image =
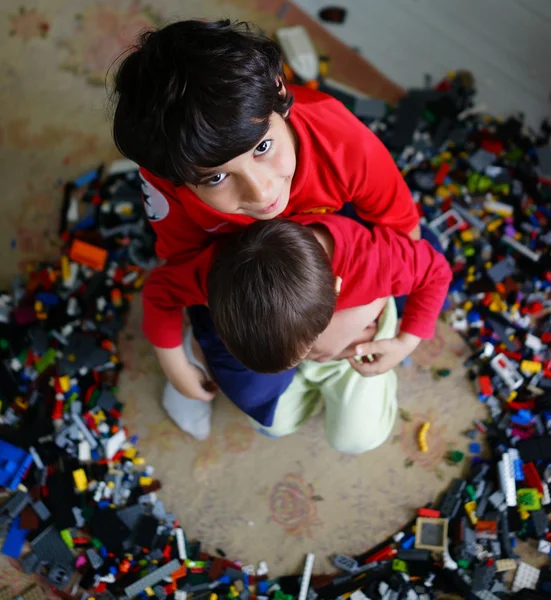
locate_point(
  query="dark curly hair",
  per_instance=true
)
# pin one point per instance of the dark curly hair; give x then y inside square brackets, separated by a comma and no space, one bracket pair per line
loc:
[196,94]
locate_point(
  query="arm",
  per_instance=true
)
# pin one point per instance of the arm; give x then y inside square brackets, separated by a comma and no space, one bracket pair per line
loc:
[181,281]
[185,377]
[416,269]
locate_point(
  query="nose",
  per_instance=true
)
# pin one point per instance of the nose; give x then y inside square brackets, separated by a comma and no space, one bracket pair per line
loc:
[258,186]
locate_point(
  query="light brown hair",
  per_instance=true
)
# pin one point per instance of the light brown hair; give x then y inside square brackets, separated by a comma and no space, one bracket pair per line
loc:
[271,293]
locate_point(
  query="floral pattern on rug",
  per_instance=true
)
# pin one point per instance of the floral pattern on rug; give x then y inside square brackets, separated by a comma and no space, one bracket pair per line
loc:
[104,31]
[27,24]
[293,505]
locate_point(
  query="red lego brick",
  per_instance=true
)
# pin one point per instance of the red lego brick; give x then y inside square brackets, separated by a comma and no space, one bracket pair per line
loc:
[428,512]
[485,385]
[532,477]
[442,173]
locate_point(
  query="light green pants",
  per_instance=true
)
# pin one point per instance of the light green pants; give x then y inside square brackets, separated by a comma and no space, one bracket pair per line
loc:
[359,411]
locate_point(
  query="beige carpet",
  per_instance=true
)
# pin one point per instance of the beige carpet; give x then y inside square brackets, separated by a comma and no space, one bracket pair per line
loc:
[253,497]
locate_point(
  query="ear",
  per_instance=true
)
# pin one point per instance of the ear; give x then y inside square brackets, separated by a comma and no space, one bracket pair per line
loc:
[282,92]
[338,285]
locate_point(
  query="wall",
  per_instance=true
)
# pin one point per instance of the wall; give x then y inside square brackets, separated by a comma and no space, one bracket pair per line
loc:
[505,43]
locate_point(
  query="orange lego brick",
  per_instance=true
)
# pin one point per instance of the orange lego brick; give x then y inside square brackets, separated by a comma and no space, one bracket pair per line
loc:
[88,255]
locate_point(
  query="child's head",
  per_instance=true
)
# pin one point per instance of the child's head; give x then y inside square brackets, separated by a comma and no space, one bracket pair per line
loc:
[204,104]
[271,293]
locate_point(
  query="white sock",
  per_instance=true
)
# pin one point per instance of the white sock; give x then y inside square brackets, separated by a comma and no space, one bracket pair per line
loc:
[191,415]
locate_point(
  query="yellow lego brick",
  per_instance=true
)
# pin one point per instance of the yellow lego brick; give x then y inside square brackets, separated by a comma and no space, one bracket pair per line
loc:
[80,479]
[494,225]
[467,235]
[149,591]
[531,366]
[139,461]
[65,383]
[422,438]
[65,268]
[467,306]
[442,191]
[470,509]
[146,480]
[512,396]
[130,453]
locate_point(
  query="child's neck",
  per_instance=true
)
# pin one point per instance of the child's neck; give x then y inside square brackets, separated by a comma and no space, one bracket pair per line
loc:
[324,238]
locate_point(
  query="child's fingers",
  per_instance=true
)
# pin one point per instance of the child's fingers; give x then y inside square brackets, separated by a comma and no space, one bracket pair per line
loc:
[378,347]
[367,369]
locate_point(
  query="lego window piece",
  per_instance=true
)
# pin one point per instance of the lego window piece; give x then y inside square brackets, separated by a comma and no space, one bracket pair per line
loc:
[431,534]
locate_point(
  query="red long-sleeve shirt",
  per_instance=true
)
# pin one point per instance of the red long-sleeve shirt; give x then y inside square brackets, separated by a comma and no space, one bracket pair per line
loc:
[379,262]
[339,160]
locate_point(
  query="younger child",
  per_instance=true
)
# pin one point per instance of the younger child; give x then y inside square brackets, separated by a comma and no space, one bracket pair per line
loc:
[272,293]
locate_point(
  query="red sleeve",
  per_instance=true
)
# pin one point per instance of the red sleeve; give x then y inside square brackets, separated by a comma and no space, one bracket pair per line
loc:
[379,262]
[181,281]
[378,190]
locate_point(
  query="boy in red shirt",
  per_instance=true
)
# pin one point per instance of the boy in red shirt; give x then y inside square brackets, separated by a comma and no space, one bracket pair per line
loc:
[222,141]
[272,294]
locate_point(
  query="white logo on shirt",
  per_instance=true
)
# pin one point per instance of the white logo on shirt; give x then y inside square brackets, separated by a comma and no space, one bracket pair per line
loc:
[155,204]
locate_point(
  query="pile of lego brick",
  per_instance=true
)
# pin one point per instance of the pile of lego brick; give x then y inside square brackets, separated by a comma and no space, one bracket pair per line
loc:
[483,186]
[79,505]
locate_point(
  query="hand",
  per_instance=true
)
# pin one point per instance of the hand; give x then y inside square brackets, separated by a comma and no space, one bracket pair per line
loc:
[185,377]
[386,354]
[194,384]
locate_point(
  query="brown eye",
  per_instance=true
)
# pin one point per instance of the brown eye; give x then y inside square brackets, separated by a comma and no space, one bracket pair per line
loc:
[263,147]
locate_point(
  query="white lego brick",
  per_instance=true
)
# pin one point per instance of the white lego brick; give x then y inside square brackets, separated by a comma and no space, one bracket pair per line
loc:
[526,577]
[507,371]
[544,547]
[299,51]
[114,443]
[546,497]
[507,480]
[533,342]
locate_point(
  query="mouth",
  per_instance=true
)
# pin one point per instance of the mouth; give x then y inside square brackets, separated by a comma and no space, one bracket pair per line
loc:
[271,207]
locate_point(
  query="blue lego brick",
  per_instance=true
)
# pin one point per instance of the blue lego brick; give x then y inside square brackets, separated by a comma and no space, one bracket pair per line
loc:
[523,417]
[14,463]
[473,316]
[86,178]
[519,473]
[48,298]
[474,448]
[85,223]
[13,545]
[262,587]
[407,542]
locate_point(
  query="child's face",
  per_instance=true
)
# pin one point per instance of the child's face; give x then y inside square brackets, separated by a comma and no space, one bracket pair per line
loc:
[257,183]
